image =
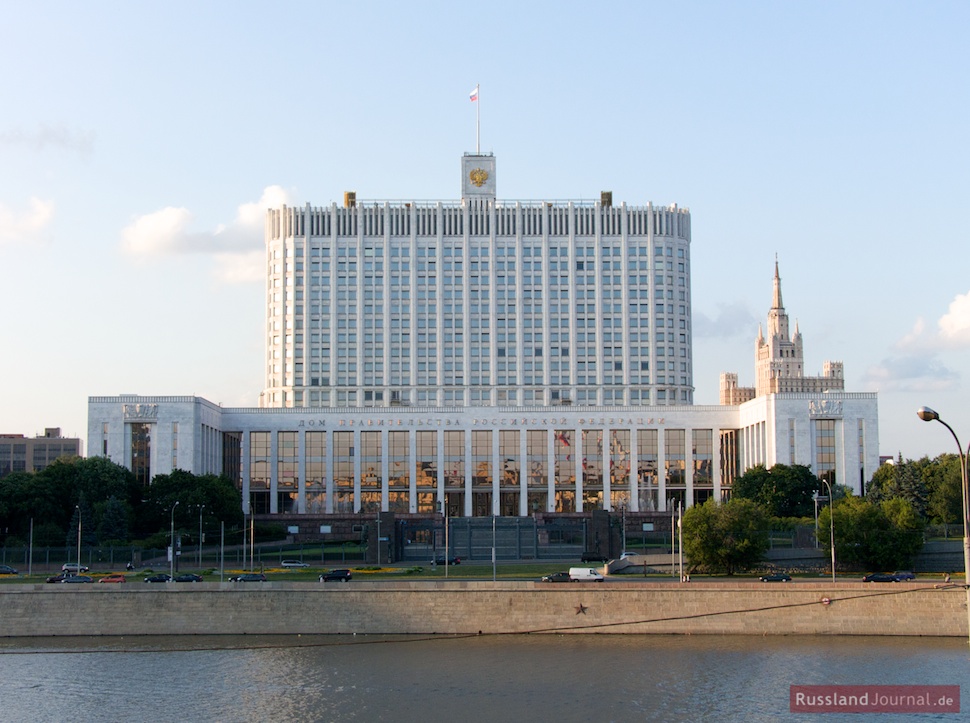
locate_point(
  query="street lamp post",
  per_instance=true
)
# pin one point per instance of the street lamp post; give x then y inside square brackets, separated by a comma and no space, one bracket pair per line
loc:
[928,415]
[622,526]
[200,536]
[831,523]
[78,508]
[815,499]
[172,548]
[444,514]
[680,537]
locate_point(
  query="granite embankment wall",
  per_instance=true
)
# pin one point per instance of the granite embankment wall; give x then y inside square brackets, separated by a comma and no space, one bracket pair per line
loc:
[486,607]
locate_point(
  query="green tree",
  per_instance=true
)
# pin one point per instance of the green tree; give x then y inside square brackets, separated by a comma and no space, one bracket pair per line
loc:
[114,521]
[944,480]
[220,497]
[49,498]
[88,530]
[783,491]
[99,479]
[906,479]
[68,481]
[882,536]
[725,537]
[25,496]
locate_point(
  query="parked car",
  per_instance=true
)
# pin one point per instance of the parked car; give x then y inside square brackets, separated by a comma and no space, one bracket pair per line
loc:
[73,568]
[556,577]
[249,577]
[188,577]
[451,561]
[78,578]
[7,570]
[901,575]
[628,555]
[113,578]
[340,575]
[879,577]
[593,556]
[294,563]
[160,577]
[775,577]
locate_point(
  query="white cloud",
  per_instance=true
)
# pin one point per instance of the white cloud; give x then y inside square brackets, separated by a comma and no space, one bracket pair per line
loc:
[916,338]
[952,330]
[919,368]
[240,268]
[254,213]
[912,373]
[46,136]
[236,247]
[733,320]
[162,232]
[955,324]
[25,226]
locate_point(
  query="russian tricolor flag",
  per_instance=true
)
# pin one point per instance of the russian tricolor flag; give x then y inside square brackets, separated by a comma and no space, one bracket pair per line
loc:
[473,96]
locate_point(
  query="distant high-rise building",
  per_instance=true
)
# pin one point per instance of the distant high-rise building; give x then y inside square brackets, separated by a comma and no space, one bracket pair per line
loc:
[32,454]
[478,302]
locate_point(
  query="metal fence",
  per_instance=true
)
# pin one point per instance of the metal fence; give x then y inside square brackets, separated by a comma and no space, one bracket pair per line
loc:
[264,555]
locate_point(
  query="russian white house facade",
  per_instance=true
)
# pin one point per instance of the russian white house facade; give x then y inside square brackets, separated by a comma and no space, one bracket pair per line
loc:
[500,357]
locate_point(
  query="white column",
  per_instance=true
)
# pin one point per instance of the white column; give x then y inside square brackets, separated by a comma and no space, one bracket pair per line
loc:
[273,470]
[385,464]
[634,469]
[606,456]
[357,451]
[412,471]
[244,470]
[661,471]
[301,468]
[578,467]
[524,472]
[498,467]
[688,467]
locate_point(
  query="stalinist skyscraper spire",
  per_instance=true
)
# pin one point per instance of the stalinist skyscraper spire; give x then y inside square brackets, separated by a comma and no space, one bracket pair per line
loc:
[779,356]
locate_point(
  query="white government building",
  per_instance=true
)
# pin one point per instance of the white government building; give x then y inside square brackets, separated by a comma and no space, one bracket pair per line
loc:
[505,357]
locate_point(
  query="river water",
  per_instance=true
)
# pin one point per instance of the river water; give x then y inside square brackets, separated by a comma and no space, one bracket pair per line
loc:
[500,679]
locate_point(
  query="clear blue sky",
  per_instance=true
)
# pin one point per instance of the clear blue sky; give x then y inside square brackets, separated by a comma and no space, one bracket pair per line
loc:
[141,142]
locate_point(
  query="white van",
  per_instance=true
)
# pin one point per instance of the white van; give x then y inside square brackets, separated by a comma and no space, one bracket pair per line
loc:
[585,573]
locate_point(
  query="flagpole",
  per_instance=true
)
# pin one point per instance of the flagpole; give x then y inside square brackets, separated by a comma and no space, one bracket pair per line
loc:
[478,120]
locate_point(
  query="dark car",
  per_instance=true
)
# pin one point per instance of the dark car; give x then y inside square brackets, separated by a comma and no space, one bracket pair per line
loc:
[7,570]
[188,577]
[879,577]
[556,577]
[775,577]
[161,577]
[249,577]
[58,578]
[591,556]
[451,561]
[342,575]
[78,578]
[901,575]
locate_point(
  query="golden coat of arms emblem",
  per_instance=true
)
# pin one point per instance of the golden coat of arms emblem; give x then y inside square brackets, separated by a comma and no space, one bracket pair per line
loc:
[478,177]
